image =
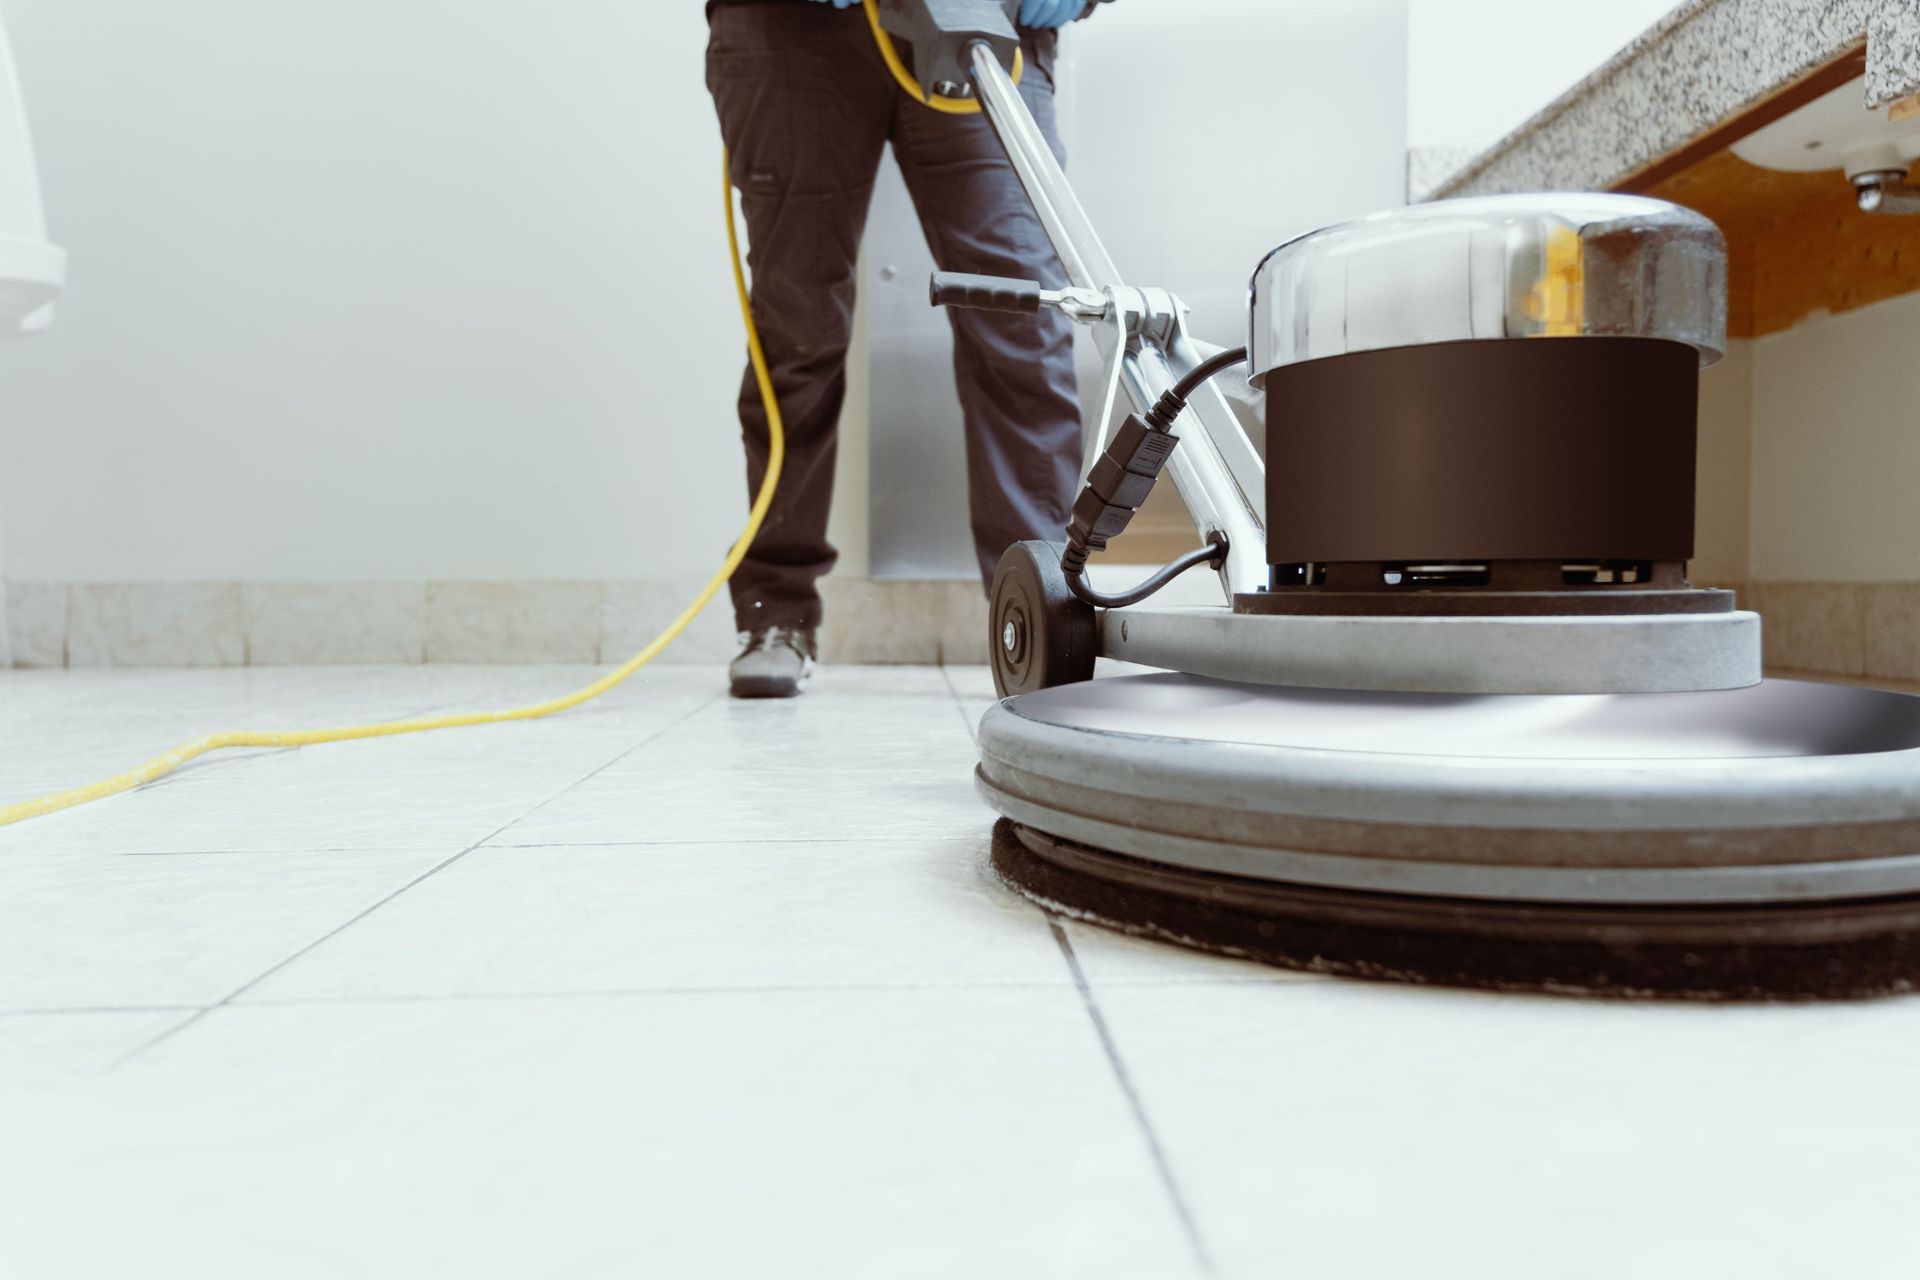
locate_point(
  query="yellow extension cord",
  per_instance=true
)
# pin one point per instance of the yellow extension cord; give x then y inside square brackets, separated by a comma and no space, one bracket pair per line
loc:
[904,78]
[166,763]
[162,765]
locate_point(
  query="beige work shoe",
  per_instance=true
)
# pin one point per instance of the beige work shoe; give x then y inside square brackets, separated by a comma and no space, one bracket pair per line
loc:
[774,664]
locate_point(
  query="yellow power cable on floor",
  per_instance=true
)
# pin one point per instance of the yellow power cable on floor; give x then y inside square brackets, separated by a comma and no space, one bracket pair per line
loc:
[162,765]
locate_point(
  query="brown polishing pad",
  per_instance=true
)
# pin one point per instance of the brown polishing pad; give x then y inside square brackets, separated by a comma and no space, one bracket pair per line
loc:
[1782,951]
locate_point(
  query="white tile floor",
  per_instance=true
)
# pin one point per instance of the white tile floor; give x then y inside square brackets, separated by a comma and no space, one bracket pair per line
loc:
[676,986]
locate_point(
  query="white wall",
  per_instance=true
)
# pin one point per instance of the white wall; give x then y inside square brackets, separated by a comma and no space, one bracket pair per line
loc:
[366,289]
[1197,146]
[20,212]
[1479,68]
[1836,448]
[1724,480]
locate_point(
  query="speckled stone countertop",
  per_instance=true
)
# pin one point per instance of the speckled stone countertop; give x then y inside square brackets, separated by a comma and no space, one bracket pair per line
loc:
[1701,65]
[1893,50]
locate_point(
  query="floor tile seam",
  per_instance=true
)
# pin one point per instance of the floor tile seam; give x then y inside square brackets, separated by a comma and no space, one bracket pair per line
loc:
[341,928]
[853,842]
[960,705]
[269,853]
[1123,1078]
[82,1010]
[593,993]
[655,735]
[955,984]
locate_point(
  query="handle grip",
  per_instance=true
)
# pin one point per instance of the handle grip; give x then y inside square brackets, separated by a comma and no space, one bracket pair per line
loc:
[986,293]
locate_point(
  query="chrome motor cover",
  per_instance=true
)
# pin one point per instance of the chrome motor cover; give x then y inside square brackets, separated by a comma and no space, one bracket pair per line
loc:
[1495,267]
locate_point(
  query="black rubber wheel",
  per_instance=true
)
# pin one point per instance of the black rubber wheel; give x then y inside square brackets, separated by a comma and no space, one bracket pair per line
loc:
[1039,633]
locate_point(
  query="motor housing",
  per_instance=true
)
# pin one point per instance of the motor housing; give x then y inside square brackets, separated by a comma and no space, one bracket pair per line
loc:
[1487,406]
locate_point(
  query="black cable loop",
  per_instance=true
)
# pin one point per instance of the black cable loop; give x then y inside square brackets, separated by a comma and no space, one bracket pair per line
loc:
[1212,553]
[1168,407]
[1160,418]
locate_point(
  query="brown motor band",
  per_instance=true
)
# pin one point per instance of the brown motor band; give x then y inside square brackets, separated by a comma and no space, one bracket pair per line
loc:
[1445,468]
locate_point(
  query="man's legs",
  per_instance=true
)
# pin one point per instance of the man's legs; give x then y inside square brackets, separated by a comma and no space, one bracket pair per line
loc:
[804,124]
[1015,372]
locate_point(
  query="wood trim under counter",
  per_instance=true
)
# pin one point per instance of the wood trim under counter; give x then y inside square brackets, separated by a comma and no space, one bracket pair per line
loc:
[1797,243]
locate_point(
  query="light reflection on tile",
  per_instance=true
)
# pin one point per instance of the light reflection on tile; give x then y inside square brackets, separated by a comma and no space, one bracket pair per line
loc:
[139,931]
[39,1051]
[1501,1128]
[926,1133]
[712,915]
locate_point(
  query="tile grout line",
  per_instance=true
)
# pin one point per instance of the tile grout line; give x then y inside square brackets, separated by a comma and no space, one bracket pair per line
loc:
[240,851]
[595,993]
[438,867]
[728,840]
[1180,1208]
[959,704]
[624,993]
[57,1011]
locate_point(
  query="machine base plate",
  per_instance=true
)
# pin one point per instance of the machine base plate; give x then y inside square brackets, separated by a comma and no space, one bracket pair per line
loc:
[1774,951]
[1611,602]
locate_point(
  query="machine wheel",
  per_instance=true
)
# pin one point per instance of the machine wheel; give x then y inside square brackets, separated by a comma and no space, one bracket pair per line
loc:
[1040,633]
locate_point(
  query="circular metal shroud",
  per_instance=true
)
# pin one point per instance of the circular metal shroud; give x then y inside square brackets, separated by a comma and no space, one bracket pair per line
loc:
[1782,792]
[1421,653]
[1496,267]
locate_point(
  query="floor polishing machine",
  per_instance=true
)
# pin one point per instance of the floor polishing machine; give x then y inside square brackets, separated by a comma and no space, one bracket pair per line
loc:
[1460,717]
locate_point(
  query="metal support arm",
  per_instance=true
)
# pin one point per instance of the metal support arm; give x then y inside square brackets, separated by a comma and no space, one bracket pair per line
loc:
[1142,336]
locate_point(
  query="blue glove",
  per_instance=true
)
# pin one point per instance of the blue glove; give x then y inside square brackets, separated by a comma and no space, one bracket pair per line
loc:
[841,4]
[1049,13]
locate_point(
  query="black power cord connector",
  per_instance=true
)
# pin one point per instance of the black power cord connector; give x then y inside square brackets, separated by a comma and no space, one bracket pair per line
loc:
[1117,485]
[1120,482]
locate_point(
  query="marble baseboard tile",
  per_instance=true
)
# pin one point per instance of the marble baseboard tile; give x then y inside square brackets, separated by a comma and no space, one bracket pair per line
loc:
[234,624]
[300,623]
[37,624]
[1867,630]
[633,613]
[157,624]
[963,638]
[1893,630]
[514,621]
[1813,626]
[883,621]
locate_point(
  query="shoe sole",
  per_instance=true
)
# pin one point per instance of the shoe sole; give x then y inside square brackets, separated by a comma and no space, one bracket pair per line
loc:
[771,686]
[764,687]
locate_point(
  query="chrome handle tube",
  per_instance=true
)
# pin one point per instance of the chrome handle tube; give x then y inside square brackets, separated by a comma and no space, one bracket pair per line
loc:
[1074,239]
